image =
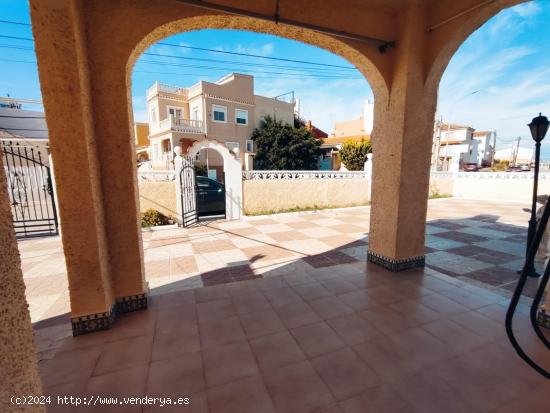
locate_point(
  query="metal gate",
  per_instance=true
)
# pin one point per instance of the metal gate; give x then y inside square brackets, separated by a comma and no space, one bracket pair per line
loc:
[188,193]
[30,190]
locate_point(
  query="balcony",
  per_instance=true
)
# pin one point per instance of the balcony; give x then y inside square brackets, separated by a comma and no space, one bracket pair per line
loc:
[160,87]
[180,125]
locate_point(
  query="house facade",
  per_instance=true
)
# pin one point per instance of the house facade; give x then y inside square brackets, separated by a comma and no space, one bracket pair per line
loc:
[454,146]
[486,146]
[227,111]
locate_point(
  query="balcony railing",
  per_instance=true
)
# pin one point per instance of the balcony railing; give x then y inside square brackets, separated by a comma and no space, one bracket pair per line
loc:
[181,125]
[160,87]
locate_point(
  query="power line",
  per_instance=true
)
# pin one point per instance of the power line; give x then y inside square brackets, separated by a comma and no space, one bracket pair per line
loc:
[14,22]
[16,38]
[254,55]
[285,75]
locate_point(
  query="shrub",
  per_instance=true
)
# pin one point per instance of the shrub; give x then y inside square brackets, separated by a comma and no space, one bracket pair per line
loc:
[200,169]
[354,154]
[152,217]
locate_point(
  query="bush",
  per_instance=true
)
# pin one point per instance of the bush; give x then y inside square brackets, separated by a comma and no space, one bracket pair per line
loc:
[152,217]
[200,169]
[354,154]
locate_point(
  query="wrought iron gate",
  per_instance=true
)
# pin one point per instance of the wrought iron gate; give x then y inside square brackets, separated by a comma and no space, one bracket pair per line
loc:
[188,192]
[30,190]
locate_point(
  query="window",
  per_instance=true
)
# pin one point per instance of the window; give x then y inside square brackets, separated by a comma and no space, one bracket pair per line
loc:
[195,113]
[232,145]
[154,115]
[175,113]
[219,113]
[249,145]
[241,117]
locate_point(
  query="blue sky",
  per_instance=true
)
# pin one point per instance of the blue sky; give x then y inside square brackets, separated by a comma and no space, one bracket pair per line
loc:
[508,69]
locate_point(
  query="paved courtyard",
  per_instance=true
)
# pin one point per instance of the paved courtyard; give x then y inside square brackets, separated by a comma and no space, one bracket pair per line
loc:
[478,241]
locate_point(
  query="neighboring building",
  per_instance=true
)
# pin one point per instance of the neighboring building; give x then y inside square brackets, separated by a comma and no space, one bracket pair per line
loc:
[330,158]
[315,131]
[486,146]
[226,111]
[515,155]
[26,128]
[356,127]
[454,146]
[141,134]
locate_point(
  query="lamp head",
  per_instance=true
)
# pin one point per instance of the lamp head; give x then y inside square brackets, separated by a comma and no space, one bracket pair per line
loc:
[539,127]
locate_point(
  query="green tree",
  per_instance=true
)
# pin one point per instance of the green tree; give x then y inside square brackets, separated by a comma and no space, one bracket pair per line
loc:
[282,147]
[354,154]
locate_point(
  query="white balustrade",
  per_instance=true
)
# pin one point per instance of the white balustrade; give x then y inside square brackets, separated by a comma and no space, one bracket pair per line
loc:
[294,175]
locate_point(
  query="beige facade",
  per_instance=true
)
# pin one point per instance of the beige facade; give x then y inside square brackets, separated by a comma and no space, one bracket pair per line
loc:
[226,111]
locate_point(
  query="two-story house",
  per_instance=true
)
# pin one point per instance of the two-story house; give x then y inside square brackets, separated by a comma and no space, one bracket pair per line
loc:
[454,146]
[226,111]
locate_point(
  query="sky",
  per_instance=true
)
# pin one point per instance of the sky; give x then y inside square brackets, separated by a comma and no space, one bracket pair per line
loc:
[498,79]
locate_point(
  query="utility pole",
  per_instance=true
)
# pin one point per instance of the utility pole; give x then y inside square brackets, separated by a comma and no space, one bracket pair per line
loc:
[515,153]
[437,143]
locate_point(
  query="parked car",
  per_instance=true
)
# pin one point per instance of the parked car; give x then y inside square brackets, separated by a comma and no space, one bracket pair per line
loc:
[471,167]
[525,168]
[514,168]
[210,196]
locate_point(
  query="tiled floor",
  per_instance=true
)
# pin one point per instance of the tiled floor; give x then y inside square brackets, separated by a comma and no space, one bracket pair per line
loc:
[482,242]
[345,338]
[305,324]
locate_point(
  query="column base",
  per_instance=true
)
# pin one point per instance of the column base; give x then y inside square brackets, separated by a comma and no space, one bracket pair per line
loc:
[543,319]
[104,321]
[396,265]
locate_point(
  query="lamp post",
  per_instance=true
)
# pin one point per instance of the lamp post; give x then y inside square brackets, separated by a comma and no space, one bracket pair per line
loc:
[538,127]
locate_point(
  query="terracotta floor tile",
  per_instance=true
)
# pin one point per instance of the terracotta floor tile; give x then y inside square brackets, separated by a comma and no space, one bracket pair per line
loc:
[123,354]
[276,350]
[282,297]
[359,300]
[317,339]
[297,389]
[312,291]
[215,310]
[248,303]
[415,312]
[337,286]
[60,369]
[130,382]
[297,314]
[330,307]
[211,293]
[377,399]
[344,373]
[175,377]
[427,393]
[354,329]
[224,364]
[458,338]
[442,304]
[247,395]
[261,323]
[167,344]
[220,332]
[242,288]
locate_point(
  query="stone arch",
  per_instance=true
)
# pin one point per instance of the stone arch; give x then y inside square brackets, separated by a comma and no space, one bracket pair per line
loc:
[233,175]
[457,34]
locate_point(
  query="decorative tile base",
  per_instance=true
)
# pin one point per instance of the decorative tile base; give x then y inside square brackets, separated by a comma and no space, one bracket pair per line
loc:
[543,318]
[104,321]
[396,265]
[93,322]
[131,303]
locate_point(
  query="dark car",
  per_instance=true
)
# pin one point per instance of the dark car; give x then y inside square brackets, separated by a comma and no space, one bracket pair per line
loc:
[471,167]
[210,196]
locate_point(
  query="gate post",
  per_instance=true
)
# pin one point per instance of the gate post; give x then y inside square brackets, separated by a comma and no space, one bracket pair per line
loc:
[178,164]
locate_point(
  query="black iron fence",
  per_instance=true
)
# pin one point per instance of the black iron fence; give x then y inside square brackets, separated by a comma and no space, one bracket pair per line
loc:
[30,190]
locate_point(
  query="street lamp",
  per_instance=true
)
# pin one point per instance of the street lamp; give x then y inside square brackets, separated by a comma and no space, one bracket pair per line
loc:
[538,127]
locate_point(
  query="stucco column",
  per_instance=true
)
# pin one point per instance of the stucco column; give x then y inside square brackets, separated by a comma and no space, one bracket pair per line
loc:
[97,200]
[402,142]
[18,362]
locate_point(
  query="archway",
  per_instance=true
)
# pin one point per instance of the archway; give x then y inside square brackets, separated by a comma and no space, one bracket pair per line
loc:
[233,175]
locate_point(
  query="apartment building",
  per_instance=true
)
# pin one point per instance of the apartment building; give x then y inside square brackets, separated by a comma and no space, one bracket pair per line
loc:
[453,147]
[226,111]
